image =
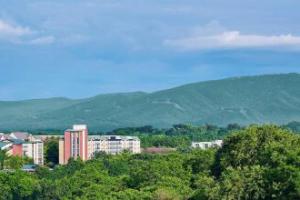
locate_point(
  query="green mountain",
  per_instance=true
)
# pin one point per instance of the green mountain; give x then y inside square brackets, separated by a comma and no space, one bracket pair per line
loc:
[243,100]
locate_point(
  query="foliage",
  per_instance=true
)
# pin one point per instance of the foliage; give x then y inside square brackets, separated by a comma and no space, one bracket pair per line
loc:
[3,157]
[51,151]
[179,136]
[259,162]
[14,162]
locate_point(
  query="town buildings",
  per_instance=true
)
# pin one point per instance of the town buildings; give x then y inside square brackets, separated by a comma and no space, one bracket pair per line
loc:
[206,145]
[23,144]
[76,143]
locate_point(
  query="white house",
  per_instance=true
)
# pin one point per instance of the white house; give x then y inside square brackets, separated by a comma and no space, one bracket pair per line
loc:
[206,145]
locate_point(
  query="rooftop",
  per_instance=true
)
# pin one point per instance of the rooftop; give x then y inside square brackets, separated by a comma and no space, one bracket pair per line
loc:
[77,127]
[19,135]
[29,168]
[112,137]
[3,144]
[17,141]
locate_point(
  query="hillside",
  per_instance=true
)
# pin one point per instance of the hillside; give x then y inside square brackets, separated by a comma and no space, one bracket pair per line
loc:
[244,100]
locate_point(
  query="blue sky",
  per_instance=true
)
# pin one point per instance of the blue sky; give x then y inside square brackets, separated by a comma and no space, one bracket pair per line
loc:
[77,49]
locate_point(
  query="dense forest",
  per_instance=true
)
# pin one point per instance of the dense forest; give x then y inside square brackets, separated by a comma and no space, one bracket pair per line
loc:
[257,162]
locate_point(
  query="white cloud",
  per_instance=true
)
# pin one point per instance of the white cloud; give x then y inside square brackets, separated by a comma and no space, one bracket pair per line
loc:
[10,30]
[233,39]
[19,35]
[42,40]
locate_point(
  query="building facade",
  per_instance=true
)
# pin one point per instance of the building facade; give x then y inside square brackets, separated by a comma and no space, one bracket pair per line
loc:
[112,144]
[77,144]
[34,150]
[74,144]
[23,144]
[206,145]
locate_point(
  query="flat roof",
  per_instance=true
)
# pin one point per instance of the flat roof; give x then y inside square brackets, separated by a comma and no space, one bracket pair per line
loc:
[113,137]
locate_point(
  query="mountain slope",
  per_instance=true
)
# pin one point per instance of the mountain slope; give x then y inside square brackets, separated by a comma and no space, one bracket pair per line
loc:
[244,100]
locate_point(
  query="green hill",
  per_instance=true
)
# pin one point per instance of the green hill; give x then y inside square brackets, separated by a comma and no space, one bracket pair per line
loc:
[243,100]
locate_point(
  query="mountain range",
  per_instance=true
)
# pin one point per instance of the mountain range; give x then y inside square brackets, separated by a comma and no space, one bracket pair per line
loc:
[242,100]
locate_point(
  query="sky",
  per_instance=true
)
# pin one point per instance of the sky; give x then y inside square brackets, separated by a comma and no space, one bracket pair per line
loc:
[82,48]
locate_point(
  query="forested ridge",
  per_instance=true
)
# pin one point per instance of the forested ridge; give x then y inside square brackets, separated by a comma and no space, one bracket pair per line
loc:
[242,100]
[258,162]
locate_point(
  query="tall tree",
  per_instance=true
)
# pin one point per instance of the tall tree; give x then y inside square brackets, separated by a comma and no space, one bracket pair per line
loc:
[3,157]
[51,151]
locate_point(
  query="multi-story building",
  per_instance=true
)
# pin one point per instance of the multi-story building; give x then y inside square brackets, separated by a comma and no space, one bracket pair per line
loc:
[112,144]
[77,144]
[206,145]
[34,150]
[74,144]
[23,144]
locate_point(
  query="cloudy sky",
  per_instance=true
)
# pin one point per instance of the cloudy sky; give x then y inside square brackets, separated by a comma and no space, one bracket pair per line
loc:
[80,48]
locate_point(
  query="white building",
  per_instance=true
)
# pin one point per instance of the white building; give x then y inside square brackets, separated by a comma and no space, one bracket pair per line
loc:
[206,145]
[34,150]
[113,144]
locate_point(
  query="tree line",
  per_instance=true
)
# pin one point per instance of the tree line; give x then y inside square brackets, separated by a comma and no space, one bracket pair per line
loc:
[257,162]
[179,136]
